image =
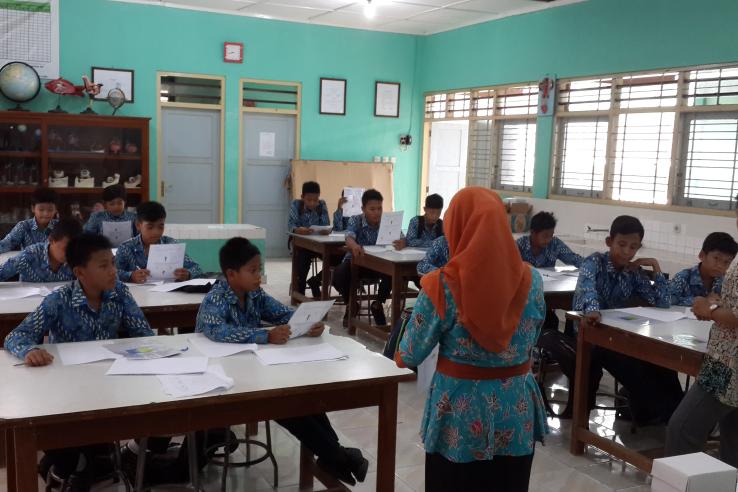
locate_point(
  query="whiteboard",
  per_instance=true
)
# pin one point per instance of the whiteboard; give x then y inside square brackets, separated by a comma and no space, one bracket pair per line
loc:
[29,32]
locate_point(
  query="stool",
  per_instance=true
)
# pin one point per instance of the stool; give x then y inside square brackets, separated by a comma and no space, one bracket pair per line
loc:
[53,481]
[191,458]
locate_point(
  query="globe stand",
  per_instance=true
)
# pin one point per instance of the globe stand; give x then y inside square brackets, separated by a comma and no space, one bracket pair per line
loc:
[58,108]
[89,109]
[18,107]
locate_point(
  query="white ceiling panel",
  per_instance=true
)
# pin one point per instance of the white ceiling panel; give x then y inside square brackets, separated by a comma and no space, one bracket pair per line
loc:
[283,12]
[411,27]
[227,5]
[391,9]
[446,16]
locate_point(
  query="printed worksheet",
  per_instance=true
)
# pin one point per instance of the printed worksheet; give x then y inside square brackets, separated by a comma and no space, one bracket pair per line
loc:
[117,232]
[353,201]
[307,315]
[164,259]
[390,228]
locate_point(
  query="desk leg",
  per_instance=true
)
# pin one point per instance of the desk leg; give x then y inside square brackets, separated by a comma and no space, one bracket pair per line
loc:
[580,421]
[306,468]
[293,280]
[9,451]
[325,286]
[352,298]
[25,460]
[397,293]
[387,435]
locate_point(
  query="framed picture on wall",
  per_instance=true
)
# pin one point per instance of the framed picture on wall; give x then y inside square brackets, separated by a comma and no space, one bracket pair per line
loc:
[332,96]
[112,78]
[387,99]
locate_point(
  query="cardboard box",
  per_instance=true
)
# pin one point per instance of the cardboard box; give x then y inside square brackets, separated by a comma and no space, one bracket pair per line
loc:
[516,208]
[696,472]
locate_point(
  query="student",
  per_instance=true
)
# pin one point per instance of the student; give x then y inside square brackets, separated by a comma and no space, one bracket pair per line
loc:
[234,310]
[306,212]
[46,261]
[94,307]
[424,229]
[706,278]
[36,229]
[362,231]
[541,249]
[435,257]
[133,255]
[114,202]
[615,280]
[340,223]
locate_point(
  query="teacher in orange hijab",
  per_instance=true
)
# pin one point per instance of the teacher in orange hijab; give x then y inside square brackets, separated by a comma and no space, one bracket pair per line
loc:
[484,311]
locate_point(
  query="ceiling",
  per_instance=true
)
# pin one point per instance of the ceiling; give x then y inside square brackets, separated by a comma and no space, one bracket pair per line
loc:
[400,16]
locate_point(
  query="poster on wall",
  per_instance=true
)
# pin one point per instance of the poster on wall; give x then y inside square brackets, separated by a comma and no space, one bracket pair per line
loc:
[113,78]
[29,33]
[387,99]
[332,96]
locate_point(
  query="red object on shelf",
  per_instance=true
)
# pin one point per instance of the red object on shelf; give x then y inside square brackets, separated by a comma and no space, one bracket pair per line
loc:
[63,87]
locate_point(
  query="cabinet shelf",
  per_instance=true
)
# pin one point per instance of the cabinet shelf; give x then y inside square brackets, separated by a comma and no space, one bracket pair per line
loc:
[87,191]
[92,156]
[20,153]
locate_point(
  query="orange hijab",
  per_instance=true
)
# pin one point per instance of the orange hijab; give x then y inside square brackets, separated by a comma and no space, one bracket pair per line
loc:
[487,278]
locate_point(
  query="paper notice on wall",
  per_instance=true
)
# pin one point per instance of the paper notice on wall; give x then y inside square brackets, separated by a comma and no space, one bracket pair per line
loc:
[267,143]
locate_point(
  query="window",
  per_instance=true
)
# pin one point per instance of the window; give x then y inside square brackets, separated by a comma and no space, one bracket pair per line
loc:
[581,156]
[516,148]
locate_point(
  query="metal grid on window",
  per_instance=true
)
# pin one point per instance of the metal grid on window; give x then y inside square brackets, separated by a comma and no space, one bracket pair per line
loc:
[516,150]
[585,95]
[648,91]
[581,156]
[481,148]
[521,100]
[435,106]
[710,87]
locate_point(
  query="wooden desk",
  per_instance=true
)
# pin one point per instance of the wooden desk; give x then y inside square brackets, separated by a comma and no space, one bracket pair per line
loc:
[327,247]
[60,406]
[559,292]
[652,342]
[401,268]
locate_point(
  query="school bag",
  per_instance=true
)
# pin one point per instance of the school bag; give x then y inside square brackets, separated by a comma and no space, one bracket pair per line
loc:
[398,329]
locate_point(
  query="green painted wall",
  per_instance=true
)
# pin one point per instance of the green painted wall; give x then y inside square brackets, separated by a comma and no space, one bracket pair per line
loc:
[151,38]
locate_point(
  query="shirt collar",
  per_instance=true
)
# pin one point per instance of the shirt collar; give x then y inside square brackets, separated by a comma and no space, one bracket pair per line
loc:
[695,278]
[79,298]
[610,266]
[34,224]
[366,224]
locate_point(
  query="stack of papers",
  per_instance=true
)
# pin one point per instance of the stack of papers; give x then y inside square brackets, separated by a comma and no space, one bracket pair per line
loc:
[412,251]
[376,249]
[304,353]
[12,293]
[213,349]
[176,365]
[75,353]
[170,286]
[307,314]
[142,349]
[318,228]
[655,314]
[196,384]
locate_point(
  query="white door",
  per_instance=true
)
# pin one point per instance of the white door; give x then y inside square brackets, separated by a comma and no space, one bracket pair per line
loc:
[447,163]
[268,147]
[190,165]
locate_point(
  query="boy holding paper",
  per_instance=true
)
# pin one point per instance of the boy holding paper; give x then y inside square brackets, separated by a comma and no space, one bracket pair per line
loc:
[115,214]
[133,255]
[94,307]
[342,217]
[305,213]
[426,228]
[234,310]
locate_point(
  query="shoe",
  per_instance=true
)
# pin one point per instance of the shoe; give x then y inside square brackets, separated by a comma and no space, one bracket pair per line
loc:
[377,310]
[314,284]
[357,463]
[76,483]
[341,473]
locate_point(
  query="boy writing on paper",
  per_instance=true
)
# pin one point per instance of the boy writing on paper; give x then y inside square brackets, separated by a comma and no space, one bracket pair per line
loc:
[234,311]
[46,261]
[306,212]
[114,202]
[362,231]
[94,307]
[541,248]
[133,254]
[37,228]
[424,229]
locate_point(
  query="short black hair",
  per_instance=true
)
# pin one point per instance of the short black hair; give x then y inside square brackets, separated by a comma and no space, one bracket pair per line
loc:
[236,252]
[82,247]
[150,212]
[310,187]
[43,195]
[720,241]
[542,221]
[65,228]
[114,191]
[626,224]
[434,201]
[369,195]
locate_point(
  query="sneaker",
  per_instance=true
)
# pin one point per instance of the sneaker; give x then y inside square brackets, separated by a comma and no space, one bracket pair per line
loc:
[314,284]
[338,472]
[377,310]
[357,463]
[76,483]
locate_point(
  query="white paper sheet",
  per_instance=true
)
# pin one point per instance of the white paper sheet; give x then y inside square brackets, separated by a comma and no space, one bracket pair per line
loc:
[375,249]
[170,286]
[12,293]
[196,384]
[75,353]
[549,274]
[302,353]
[426,370]
[413,251]
[142,349]
[267,144]
[117,232]
[214,350]
[655,314]
[390,227]
[164,259]
[341,234]
[148,282]
[176,365]
[689,314]
[353,201]
[318,228]
[307,314]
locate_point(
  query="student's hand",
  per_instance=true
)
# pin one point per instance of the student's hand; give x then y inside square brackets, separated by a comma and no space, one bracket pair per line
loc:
[713,298]
[303,231]
[591,320]
[356,250]
[316,330]
[38,357]
[701,308]
[325,232]
[341,201]
[279,334]
[140,276]
[181,274]
[400,243]
[646,262]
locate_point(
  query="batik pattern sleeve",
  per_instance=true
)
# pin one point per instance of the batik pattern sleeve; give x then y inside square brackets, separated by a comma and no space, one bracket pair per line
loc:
[586,296]
[565,254]
[656,294]
[30,333]
[134,321]
[679,291]
[423,332]
[14,239]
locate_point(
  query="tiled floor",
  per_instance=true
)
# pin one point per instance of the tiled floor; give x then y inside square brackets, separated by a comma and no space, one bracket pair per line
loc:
[554,469]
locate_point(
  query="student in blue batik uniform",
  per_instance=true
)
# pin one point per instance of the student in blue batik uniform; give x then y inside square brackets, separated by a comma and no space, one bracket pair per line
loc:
[435,257]
[133,255]
[340,223]
[36,229]
[234,311]
[541,248]
[615,280]
[114,201]
[94,307]
[308,211]
[718,252]
[46,261]
[424,229]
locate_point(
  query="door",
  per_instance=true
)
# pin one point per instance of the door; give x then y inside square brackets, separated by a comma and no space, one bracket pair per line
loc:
[268,147]
[191,165]
[447,162]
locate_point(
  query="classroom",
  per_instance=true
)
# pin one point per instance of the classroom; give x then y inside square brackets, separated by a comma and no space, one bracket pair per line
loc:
[392,245]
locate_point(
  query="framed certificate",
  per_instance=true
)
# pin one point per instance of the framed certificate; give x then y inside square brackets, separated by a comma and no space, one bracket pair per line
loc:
[387,99]
[332,96]
[113,78]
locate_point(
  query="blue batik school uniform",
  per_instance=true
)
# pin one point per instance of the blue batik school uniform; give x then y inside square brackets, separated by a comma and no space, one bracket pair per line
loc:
[26,233]
[222,319]
[556,250]
[340,223]
[360,231]
[66,316]
[94,224]
[435,257]
[687,284]
[131,257]
[33,265]
[421,236]
[301,216]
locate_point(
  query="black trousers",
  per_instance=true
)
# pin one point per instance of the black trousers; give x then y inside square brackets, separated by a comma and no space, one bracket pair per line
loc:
[342,281]
[315,432]
[304,260]
[65,460]
[502,474]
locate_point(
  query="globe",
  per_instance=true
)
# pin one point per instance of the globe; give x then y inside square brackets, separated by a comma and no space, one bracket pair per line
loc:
[19,82]
[116,98]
